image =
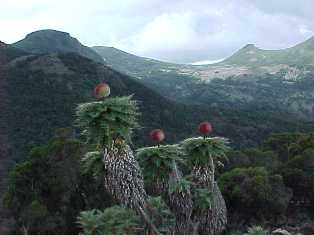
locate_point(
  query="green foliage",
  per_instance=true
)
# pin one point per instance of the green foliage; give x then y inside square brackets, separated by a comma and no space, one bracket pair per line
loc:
[252,158]
[298,174]
[256,230]
[199,150]
[296,151]
[48,189]
[160,214]
[285,144]
[115,220]
[92,163]
[202,198]
[105,121]
[254,191]
[180,185]
[157,162]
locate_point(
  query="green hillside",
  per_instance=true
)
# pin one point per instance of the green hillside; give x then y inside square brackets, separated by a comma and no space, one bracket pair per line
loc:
[53,41]
[301,54]
[129,63]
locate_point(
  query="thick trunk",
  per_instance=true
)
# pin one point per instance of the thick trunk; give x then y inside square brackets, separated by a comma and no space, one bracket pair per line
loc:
[123,177]
[181,205]
[124,180]
[213,221]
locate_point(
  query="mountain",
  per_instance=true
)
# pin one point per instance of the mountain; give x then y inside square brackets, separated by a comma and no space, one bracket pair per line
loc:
[130,64]
[251,56]
[8,52]
[291,63]
[53,41]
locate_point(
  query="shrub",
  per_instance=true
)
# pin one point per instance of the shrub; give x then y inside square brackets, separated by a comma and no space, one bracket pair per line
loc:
[115,220]
[253,191]
[256,230]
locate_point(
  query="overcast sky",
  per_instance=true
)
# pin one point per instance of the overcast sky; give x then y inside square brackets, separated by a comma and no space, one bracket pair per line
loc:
[170,30]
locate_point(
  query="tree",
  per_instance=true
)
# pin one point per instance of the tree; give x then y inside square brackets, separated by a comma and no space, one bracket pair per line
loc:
[203,155]
[108,125]
[298,174]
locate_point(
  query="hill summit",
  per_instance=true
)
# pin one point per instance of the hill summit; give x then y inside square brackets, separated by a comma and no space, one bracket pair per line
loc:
[53,41]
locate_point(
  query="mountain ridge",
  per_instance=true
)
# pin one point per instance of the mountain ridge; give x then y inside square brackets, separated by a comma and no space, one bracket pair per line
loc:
[250,55]
[54,41]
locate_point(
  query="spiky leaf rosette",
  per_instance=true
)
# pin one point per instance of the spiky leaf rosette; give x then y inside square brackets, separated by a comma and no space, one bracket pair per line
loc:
[114,220]
[105,121]
[157,162]
[202,155]
[199,150]
[160,214]
[92,163]
[161,171]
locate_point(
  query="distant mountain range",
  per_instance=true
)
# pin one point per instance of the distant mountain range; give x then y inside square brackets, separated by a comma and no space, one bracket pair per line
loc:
[252,78]
[269,80]
[293,62]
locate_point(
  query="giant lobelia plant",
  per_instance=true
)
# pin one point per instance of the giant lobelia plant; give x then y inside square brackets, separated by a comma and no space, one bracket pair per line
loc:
[203,155]
[184,175]
[162,174]
[107,125]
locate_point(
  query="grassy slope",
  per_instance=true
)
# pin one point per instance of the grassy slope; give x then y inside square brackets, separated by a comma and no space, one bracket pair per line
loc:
[130,64]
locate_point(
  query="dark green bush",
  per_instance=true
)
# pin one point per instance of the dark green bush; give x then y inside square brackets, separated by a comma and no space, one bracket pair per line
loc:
[255,192]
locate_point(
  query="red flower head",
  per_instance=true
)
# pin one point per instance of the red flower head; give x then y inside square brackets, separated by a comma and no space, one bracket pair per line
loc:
[102,90]
[205,128]
[157,135]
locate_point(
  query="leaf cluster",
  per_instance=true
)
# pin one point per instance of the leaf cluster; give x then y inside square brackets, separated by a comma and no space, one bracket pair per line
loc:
[199,150]
[105,121]
[92,163]
[157,162]
[114,220]
[160,214]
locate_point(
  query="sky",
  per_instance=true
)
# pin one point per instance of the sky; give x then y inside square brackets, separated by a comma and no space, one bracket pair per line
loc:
[182,31]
